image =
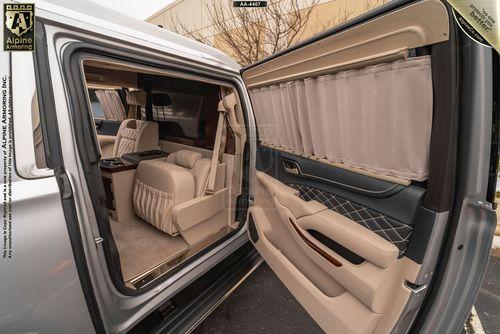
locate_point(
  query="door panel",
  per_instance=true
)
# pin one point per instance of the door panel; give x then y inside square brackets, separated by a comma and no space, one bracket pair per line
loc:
[343,166]
[336,292]
[386,208]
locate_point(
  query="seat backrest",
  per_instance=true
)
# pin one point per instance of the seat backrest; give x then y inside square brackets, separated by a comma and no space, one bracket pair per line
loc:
[198,166]
[136,136]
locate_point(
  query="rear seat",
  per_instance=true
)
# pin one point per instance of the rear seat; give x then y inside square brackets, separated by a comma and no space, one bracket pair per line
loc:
[136,135]
[162,184]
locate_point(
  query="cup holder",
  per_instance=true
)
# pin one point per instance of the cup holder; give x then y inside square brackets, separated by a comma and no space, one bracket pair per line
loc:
[112,162]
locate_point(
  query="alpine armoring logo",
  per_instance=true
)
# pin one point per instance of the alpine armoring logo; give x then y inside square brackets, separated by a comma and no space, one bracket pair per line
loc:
[19,23]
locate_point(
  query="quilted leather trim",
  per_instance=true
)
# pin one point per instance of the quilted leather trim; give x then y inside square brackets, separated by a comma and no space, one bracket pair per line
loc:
[388,228]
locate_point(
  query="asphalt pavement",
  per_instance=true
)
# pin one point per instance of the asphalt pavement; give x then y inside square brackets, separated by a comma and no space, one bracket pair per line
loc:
[488,300]
[262,304]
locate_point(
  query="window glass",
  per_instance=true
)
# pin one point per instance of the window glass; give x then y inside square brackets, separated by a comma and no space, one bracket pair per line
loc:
[183,115]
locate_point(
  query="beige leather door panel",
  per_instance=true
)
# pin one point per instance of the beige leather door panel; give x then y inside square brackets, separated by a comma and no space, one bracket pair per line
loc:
[343,297]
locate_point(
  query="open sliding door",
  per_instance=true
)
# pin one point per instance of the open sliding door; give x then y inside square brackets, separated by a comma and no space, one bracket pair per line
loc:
[350,197]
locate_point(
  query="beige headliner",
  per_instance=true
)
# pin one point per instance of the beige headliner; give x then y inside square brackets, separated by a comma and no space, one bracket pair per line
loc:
[386,38]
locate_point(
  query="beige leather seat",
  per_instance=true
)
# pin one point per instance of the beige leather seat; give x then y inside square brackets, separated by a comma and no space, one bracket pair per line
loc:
[136,136]
[161,184]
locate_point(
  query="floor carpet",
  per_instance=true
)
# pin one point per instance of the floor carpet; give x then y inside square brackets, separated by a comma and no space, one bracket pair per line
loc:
[141,246]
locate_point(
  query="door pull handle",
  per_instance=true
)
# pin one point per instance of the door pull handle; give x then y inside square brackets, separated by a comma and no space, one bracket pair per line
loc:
[291,167]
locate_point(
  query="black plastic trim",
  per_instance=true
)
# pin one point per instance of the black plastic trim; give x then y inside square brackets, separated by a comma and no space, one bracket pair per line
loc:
[445,123]
[492,180]
[273,160]
[330,175]
[421,235]
[46,103]
[252,230]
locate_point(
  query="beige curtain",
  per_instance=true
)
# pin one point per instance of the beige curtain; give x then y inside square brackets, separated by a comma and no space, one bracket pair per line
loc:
[377,118]
[111,104]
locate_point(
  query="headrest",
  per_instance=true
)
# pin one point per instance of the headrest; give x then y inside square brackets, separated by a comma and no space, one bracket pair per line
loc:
[187,158]
[136,98]
[161,99]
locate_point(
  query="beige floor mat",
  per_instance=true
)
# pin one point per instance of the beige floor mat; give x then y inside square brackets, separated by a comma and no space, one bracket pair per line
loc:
[142,247]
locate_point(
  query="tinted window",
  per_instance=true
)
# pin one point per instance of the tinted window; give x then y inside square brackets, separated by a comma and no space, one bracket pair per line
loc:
[183,115]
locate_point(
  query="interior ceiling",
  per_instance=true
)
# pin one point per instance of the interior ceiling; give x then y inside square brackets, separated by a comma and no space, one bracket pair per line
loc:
[102,76]
[384,39]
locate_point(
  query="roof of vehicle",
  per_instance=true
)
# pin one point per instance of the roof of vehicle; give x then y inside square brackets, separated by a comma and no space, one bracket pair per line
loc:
[103,19]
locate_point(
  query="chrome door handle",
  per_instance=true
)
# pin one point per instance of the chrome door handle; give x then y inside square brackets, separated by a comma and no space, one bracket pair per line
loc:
[292,170]
[291,167]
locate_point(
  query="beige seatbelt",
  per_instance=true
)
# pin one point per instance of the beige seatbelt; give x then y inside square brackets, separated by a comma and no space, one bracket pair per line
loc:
[220,138]
[227,115]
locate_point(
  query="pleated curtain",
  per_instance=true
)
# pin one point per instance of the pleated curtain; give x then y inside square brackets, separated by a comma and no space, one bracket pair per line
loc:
[111,104]
[377,118]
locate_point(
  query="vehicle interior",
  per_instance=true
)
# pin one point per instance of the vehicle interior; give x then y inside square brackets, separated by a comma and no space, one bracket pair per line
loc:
[371,149]
[171,162]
